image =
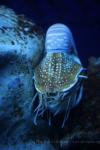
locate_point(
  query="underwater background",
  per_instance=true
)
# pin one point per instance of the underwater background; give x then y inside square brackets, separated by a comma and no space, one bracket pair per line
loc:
[82,17]
[83,126]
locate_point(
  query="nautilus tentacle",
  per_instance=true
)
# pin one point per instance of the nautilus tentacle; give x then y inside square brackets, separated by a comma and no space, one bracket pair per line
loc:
[58,78]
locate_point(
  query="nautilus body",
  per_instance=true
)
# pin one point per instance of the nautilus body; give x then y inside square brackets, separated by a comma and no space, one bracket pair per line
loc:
[58,77]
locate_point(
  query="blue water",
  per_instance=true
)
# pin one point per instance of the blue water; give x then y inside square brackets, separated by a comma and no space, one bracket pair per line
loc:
[82,17]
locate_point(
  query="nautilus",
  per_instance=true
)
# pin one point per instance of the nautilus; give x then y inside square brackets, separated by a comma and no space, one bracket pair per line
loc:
[58,78]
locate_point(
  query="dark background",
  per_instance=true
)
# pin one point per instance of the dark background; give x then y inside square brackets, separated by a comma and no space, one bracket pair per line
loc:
[82,16]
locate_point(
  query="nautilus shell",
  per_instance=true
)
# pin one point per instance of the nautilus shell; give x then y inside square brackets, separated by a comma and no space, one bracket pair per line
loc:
[58,78]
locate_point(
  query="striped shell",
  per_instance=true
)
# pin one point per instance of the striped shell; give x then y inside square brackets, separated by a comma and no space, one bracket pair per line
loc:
[59,38]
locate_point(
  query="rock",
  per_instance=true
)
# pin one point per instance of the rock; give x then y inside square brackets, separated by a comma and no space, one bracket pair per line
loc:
[78,138]
[21,49]
[25,131]
[94,66]
[20,36]
[8,17]
[29,146]
[84,123]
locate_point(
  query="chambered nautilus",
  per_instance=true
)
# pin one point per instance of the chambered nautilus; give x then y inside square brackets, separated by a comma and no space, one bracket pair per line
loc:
[58,77]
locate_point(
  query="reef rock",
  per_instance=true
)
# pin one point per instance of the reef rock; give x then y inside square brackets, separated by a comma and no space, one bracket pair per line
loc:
[21,48]
[23,136]
[29,146]
[94,66]
[20,36]
[8,17]
[83,128]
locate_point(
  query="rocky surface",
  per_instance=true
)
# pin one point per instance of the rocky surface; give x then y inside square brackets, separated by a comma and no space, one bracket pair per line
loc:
[21,49]
[28,146]
[8,17]
[83,128]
